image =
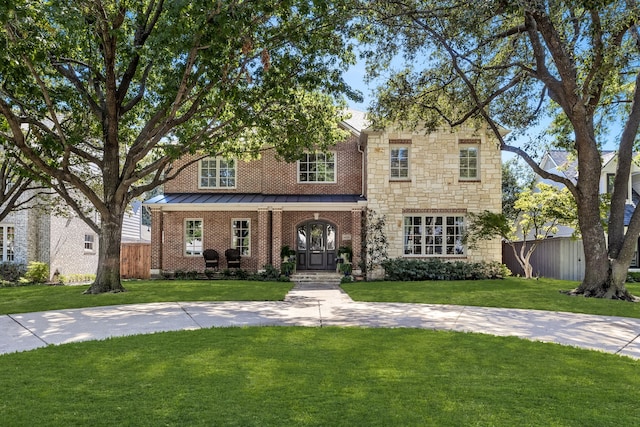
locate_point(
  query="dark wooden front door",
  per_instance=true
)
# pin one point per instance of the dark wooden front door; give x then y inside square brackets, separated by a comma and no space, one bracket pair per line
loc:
[316,246]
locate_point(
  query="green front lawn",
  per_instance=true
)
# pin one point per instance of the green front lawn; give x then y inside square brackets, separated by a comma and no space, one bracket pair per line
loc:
[318,377]
[41,298]
[512,292]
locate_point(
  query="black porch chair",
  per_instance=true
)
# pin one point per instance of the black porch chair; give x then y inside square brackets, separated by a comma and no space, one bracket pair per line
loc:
[233,258]
[211,258]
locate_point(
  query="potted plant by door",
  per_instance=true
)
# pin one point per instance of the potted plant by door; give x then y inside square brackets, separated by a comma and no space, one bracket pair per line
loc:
[345,253]
[288,257]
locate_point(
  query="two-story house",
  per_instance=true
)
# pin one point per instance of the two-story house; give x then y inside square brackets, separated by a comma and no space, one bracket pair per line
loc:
[424,184]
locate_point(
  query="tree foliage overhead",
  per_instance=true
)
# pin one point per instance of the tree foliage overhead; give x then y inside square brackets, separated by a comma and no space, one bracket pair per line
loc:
[511,63]
[18,190]
[101,96]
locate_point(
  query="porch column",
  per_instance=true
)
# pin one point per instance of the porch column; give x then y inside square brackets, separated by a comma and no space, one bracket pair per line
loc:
[156,241]
[263,238]
[356,239]
[276,237]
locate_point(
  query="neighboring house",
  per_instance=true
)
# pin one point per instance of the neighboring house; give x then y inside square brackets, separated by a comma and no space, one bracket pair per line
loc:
[66,244]
[562,256]
[424,185]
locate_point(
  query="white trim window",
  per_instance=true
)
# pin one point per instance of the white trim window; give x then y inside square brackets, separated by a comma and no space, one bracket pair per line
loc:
[7,241]
[241,236]
[434,235]
[217,172]
[317,167]
[469,162]
[193,237]
[89,243]
[399,162]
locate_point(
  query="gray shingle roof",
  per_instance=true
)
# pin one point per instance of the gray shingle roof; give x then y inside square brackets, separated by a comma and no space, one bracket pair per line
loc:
[568,164]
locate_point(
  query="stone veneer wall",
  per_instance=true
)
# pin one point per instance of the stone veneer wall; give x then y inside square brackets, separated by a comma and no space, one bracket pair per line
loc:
[433,184]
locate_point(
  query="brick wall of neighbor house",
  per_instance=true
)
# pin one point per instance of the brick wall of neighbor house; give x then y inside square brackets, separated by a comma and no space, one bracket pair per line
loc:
[433,184]
[268,175]
[67,252]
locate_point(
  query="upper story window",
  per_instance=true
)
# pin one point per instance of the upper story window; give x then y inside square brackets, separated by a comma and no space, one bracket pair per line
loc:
[7,238]
[89,243]
[434,235]
[399,162]
[241,236]
[469,159]
[317,167]
[217,172]
[611,180]
[193,237]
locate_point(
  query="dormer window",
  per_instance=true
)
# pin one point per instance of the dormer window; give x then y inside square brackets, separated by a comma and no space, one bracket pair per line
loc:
[217,172]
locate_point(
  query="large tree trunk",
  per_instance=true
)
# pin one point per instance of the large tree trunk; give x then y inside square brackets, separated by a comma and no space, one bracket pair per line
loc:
[603,277]
[108,274]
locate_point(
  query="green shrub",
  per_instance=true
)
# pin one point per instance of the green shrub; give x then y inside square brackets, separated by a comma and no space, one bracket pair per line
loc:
[270,272]
[210,273]
[11,272]
[633,277]
[37,272]
[406,269]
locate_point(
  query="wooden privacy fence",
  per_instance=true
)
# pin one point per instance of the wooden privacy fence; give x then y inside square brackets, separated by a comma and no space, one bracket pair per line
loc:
[135,260]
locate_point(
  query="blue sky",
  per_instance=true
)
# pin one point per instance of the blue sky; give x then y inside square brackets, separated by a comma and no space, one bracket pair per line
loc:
[355,77]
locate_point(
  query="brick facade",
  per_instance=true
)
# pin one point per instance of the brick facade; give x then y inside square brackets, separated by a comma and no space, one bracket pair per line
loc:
[267,175]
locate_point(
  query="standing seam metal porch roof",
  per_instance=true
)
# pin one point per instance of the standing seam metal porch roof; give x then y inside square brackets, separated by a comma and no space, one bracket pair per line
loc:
[244,198]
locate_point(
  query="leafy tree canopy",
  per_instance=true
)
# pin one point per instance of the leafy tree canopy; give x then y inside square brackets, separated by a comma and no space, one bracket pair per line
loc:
[514,65]
[100,96]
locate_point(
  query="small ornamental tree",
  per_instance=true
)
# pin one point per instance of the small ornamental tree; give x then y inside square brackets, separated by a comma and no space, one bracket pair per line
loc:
[541,211]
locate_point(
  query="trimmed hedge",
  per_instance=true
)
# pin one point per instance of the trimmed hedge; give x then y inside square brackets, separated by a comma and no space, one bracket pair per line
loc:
[407,269]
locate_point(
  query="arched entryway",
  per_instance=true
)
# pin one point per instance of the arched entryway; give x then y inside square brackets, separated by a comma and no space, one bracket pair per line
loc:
[316,245]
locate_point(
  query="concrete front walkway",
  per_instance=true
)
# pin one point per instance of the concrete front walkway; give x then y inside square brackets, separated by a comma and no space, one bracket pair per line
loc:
[316,305]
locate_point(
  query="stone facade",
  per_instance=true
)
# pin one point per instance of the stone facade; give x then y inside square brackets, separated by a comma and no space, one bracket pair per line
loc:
[433,185]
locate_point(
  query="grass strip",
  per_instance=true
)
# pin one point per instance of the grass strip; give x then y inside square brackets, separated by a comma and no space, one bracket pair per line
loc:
[27,299]
[542,294]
